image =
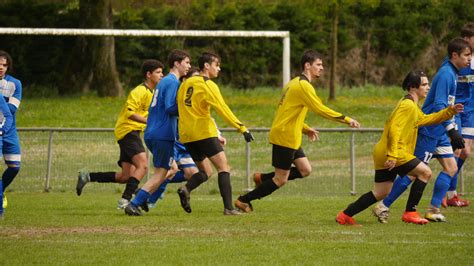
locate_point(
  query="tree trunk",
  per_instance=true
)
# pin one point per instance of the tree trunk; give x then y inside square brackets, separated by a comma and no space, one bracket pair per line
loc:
[92,64]
[332,78]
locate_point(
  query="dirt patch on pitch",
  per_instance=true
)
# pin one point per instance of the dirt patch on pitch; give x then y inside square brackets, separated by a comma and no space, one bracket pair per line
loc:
[45,231]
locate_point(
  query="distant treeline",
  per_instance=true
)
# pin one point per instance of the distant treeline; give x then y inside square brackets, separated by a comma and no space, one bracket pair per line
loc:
[379,41]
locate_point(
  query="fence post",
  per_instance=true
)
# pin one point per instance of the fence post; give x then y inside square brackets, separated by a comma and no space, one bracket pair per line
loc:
[352,153]
[50,159]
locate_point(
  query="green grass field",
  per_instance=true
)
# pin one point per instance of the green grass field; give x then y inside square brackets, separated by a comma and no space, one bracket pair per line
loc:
[295,225]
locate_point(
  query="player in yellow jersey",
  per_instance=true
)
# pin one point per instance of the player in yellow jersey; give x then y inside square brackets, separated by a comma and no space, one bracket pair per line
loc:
[288,127]
[130,123]
[394,153]
[198,132]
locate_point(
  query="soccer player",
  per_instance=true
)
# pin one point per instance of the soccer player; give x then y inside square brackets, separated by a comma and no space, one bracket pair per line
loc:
[464,120]
[288,126]
[130,123]
[6,123]
[161,130]
[393,154]
[197,130]
[11,90]
[439,140]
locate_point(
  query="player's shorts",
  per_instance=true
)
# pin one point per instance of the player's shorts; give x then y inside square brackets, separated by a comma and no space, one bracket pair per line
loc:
[182,157]
[466,120]
[427,148]
[130,145]
[204,148]
[283,157]
[11,147]
[385,175]
[162,151]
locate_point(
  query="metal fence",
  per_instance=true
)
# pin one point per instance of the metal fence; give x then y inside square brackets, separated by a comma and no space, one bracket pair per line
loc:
[341,160]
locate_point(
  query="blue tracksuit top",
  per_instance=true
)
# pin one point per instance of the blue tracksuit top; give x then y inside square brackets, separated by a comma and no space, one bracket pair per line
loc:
[162,122]
[465,88]
[441,94]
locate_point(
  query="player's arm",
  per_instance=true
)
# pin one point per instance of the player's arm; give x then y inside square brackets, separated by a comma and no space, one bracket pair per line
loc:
[312,133]
[444,86]
[133,106]
[399,119]
[7,120]
[440,116]
[171,106]
[15,100]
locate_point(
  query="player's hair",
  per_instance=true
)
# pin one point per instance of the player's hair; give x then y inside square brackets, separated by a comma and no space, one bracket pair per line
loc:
[192,71]
[207,57]
[151,65]
[467,30]
[8,58]
[177,56]
[309,56]
[457,45]
[413,80]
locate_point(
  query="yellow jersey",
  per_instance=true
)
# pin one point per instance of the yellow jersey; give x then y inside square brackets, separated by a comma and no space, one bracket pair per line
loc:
[138,102]
[398,139]
[298,97]
[195,98]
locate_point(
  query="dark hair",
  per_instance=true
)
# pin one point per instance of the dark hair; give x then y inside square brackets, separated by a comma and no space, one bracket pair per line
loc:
[413,80]
[309,56]
[8,58]
[177,56]
[457,45]
[151,65]
[467,30]
[206,57]
[191,72]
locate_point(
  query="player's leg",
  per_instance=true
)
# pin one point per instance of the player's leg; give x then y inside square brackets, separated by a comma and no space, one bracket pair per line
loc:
[137,172]
[12,157]
[423,174]
[158,194]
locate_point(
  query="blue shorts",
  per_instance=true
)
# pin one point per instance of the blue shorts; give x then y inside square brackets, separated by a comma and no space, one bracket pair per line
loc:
[182,157]
[466,122]
[162,151]
[11,146]
[427,147]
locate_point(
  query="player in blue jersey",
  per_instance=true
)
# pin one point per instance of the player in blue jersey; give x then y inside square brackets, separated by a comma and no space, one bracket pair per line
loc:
[436,141]
[465,120]
[6,122]
[11,90]
[161,129]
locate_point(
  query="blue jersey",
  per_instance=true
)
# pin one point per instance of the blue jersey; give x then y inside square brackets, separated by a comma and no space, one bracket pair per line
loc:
[441,94]
[6,118]
[465,88]
[11,88]
[162,122]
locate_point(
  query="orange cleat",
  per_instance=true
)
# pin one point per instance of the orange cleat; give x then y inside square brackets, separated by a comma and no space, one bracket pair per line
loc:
[257,178]
[243,206]
[344,219]
[444,203]
[414,218]
[456,201]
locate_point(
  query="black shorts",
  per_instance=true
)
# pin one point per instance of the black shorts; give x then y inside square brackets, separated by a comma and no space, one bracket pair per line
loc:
[283,157]
[385,175]
[130,145]
[202,149]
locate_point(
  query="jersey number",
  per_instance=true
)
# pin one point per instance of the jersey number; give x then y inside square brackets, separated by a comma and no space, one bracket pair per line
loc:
[155,96]
[189,94]
[428,156]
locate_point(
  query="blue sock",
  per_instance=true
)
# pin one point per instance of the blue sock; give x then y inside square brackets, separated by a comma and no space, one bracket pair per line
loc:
[399,186]
[454,181]
[179,177]
[1,196]
[440,188]
[157,194]
[9,175]
[140,198]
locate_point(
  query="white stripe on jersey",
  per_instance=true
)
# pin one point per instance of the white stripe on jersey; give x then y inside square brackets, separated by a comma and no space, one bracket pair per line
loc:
[468,131]
[7,88]
[185,160]
[445,150]
[14,101]
[13,157]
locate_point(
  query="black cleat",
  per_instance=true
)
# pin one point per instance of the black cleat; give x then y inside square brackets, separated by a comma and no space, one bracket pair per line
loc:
[184,198]
[144,207]
[131,210]
[82,179]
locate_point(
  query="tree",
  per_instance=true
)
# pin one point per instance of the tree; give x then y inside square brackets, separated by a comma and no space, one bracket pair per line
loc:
[334,25]
[92,64]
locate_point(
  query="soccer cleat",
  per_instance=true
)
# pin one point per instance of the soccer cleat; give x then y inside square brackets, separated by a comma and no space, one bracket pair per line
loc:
[414,218]
[243,206]
[435,215]
[257,178]
[131,210]
[151,205]
[444,202]
[456,201]
[381,212]
[184,198]
[122,203]
[82,179]
[144,207]
[232,212]
[5,201]
[344,219]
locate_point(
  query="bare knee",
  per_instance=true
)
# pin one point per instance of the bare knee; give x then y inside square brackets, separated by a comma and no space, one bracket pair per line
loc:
[451,171]
[425,175]
[305,171]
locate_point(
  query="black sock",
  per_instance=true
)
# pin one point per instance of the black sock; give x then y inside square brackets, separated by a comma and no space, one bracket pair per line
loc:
[130,188]
[225,187]
[267,176]
[416,192]
[265,189]
[103,177]
[294,174]
[196,180]
[360,204]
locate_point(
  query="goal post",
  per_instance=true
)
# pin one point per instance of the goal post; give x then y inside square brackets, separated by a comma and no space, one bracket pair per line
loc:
[285,35]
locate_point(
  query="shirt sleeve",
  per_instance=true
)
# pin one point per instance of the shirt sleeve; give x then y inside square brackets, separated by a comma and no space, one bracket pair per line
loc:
[435,118]
[15,100]
[133,103]
[399,120]
[7,120]
[441,101]
[171,106]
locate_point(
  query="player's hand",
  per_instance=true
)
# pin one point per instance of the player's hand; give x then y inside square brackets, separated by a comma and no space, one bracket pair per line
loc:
[1,132]
[248,136]
[354,124]
[456,139]
[222,140]
[459,108]
[312,134]
[389,164]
